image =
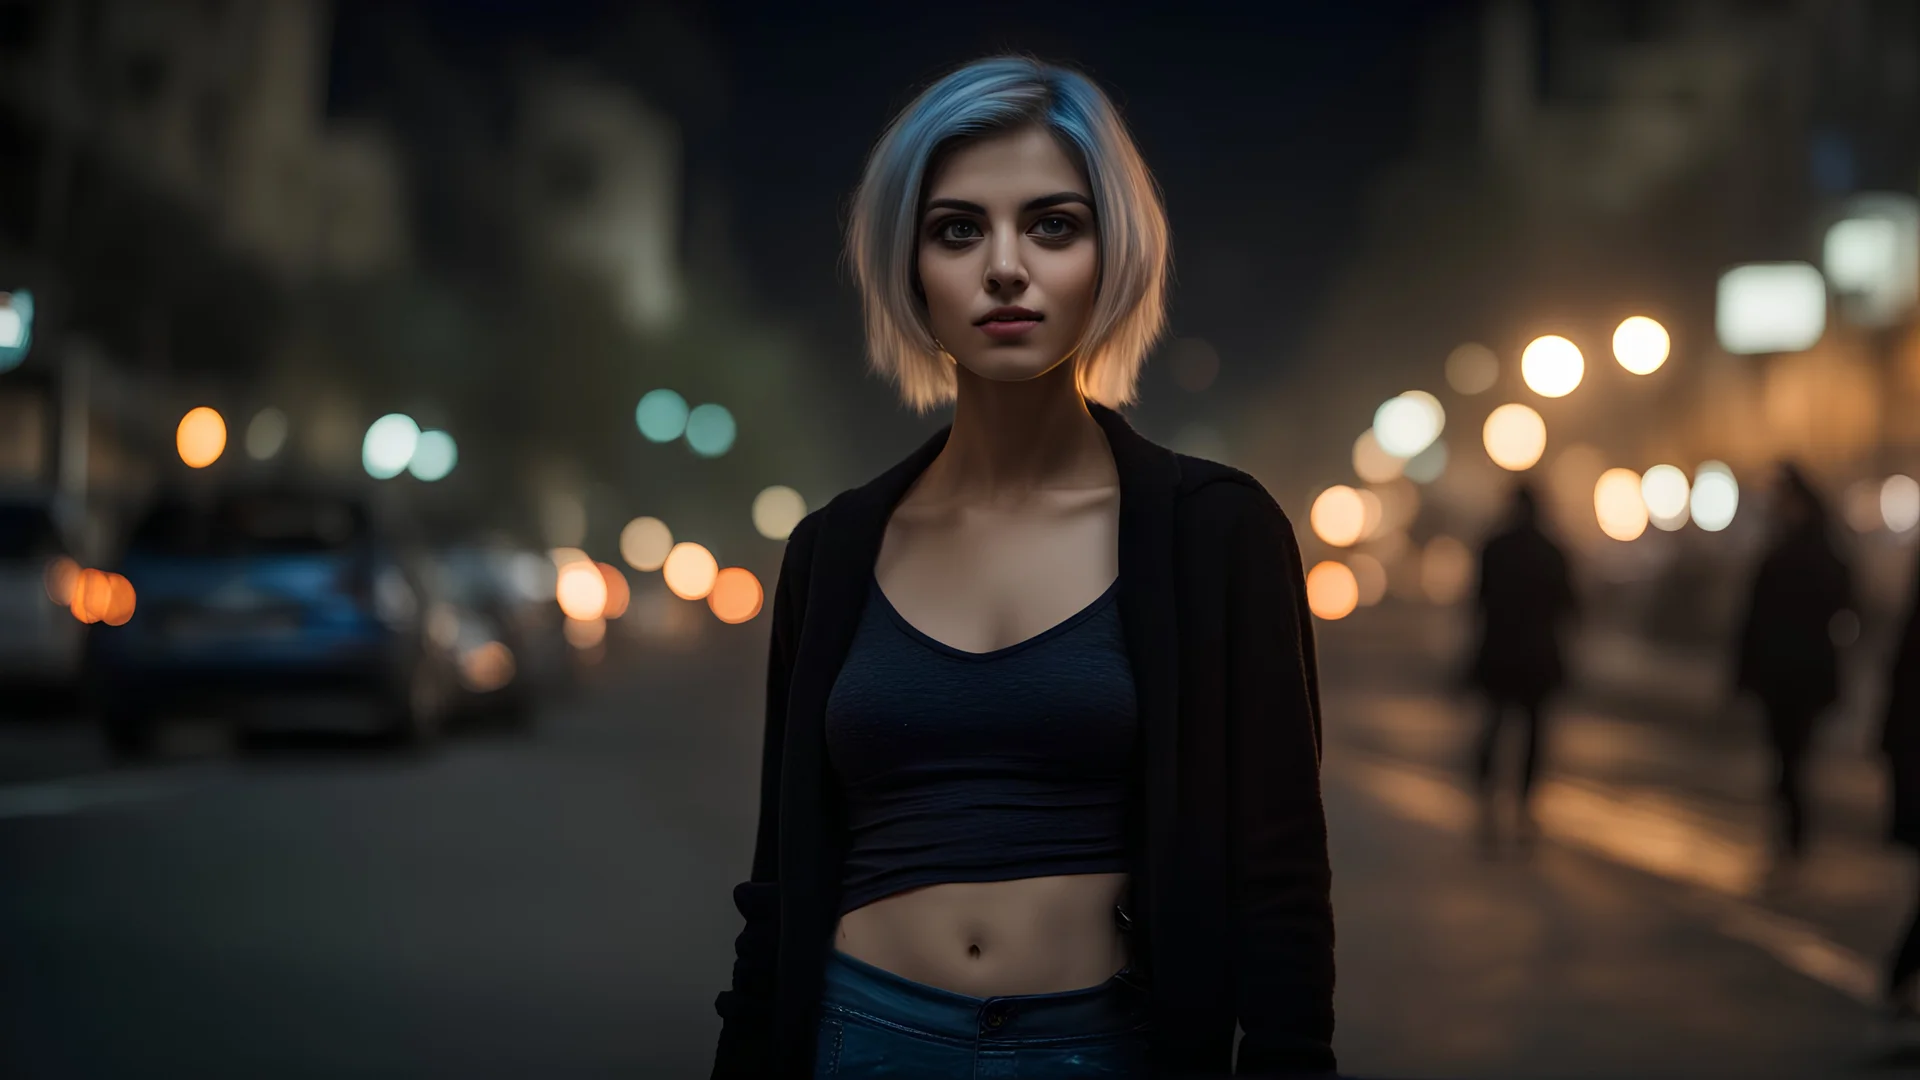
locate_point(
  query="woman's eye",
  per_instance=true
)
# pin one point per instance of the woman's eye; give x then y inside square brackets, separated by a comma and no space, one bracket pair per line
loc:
[1055,228]
[957,230]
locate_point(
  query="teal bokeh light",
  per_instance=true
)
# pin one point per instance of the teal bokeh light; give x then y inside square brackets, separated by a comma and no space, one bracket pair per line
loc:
[661,416]
[16,328]
[710,430]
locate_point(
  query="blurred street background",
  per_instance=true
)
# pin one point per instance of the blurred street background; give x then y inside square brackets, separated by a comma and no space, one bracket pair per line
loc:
[403,407]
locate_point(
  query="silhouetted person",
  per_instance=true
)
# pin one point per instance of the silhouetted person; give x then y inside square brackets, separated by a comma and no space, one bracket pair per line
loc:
[1526,596]
[1787,655]
[1900,739]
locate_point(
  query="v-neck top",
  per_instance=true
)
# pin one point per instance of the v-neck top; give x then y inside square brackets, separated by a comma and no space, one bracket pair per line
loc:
[981,766]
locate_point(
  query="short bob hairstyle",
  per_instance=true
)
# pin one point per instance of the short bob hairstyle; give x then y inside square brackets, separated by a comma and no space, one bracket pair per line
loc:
[985,98]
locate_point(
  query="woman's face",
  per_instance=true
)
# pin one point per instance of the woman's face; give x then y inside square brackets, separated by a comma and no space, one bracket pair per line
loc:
[1009,255]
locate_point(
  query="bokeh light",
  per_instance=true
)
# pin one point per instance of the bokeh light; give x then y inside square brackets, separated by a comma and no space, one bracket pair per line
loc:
[690,571]
[1716,496]
[92,590]
[1641,345]
[1332,592]
[1770,307]
[1446,571]
[486,667]
[1552,366]
[59,578]
[710,430]
[16,327]
[1408,424]
[661,416]
[1372,463]
[1618,504]
[776,510]
[389,445]
[644,543]
[581,590]
[434,456]
[120,601]
[266,433]
[1370,578]
[1515,437]
[618,594]
[1900,503]
[1472,369]
[1428,465]
[1338,516]
[1665,490]
[736,595]
[584,634]
[1373,513]
[201,437]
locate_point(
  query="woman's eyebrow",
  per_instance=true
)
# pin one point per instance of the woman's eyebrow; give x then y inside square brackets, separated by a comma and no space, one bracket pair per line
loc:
[1058,198]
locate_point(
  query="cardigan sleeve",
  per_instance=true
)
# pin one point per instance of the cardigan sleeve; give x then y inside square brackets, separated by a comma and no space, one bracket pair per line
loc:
[1283,911]
[746,1009]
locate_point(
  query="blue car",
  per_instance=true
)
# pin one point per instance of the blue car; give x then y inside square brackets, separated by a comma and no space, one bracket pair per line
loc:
[277,608]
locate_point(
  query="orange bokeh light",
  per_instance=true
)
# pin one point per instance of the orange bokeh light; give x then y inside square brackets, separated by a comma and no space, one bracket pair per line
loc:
[120,601]
[581,590]
[690,571]
[736,595]
[618,594]
[1332,591]
[101,597]
[201,437]
[1339,516]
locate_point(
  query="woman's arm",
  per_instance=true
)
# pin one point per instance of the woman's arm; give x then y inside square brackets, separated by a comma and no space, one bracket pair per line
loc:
[746,1010]
[1283,906]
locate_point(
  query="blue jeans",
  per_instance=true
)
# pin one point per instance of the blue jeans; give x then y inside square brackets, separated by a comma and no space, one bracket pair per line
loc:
[874,1023]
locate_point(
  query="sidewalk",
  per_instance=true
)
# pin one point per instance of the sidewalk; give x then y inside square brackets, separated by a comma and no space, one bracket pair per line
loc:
[1645,766]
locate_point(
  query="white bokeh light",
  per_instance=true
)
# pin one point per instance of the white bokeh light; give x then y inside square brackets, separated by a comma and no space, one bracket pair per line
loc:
[1770,307]
[1666,491]
[1408,424]
[389,445]
[1716,496]
[1900,503]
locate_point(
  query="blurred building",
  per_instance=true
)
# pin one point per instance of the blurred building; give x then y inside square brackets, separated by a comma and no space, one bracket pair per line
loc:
[1579,163]
[599,185]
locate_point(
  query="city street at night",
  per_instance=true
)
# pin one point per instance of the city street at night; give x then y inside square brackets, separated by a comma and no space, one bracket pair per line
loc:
[556,904]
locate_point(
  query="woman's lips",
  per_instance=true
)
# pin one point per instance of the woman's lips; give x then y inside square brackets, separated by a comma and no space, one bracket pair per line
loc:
[1007,329]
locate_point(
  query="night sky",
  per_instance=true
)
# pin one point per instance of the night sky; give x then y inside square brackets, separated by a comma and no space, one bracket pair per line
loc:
[1263,124]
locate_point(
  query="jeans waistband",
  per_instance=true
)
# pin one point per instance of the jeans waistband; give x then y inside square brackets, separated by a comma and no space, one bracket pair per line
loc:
[1115,1005]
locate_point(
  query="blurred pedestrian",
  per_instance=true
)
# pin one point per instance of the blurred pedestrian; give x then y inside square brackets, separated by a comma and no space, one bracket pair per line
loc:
[1788,659]
[1040,785]
[1900,740]
[1526,598]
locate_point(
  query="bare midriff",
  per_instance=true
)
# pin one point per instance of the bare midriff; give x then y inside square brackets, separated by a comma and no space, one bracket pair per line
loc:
[1039,935]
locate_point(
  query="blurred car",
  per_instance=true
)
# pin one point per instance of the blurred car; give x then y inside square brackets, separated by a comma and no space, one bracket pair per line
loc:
[41,643]
[510,647]
[282,608]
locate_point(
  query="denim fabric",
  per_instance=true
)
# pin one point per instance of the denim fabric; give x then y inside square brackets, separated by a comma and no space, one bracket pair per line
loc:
[874,1023]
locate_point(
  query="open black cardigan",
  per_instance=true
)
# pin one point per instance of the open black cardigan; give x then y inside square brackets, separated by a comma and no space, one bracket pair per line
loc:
[1227,847]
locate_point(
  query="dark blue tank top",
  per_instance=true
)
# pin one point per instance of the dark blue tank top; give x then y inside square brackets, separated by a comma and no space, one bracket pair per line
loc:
[963,766]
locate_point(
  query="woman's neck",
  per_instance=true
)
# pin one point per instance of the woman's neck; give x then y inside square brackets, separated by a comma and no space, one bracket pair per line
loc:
[1012,439]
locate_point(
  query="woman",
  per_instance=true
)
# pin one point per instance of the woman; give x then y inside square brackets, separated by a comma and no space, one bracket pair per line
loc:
[1900,740]
[1040,787]
[1787,655]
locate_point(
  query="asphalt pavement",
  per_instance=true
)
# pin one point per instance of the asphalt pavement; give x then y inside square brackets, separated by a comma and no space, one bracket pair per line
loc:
[556,903]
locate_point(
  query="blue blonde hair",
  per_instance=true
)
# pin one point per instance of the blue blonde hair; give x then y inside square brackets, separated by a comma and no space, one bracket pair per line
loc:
[988,97]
